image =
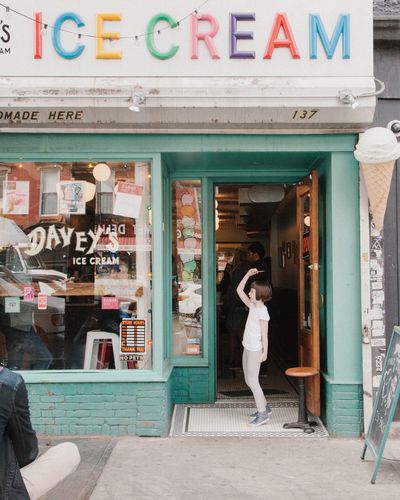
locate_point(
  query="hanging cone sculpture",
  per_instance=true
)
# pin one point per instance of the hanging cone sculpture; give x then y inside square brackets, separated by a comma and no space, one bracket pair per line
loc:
[377,150]
[377,180]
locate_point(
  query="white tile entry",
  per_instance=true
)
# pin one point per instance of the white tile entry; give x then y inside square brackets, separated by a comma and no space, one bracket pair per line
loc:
[232,419]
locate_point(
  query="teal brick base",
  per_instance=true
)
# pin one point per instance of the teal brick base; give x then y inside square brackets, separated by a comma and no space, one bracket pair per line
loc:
[191,385]
[115,408]
[142,409]
[343,409]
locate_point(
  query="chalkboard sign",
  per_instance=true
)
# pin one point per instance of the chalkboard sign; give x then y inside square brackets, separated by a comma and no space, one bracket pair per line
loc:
[385,404]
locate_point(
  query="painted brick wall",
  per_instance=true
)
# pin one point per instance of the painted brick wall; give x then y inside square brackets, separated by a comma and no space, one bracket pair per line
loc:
[343,414]
[142,409]
[190,385]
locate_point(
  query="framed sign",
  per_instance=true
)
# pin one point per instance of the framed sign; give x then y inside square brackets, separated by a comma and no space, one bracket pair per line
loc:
[133,336]
[385,404]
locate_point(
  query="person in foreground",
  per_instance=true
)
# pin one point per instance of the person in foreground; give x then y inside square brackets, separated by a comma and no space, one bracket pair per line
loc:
[255,341]
[23,476]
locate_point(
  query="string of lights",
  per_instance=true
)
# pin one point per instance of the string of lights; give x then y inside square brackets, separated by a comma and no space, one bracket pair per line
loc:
[46,26]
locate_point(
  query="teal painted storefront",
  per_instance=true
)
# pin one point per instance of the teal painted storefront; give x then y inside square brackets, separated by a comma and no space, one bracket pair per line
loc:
[140,401]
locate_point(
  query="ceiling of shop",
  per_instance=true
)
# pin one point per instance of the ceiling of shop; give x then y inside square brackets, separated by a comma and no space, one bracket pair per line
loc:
[247,168]
[254,218]
[287,166]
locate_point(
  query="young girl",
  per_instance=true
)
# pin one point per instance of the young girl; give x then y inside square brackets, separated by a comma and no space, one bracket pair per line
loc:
[255,341]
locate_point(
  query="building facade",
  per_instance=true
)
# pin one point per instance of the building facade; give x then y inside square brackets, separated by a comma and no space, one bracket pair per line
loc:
[383,245]
[115,131]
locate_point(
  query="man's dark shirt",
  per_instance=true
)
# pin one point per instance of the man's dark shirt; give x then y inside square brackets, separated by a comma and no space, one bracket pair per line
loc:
[261,265]
[18,442]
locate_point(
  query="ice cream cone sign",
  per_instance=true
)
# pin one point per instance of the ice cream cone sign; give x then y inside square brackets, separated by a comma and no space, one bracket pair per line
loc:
[377,150]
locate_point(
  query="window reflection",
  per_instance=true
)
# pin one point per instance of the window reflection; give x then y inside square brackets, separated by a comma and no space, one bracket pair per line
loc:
[75,260]
[306,254]
[186,268]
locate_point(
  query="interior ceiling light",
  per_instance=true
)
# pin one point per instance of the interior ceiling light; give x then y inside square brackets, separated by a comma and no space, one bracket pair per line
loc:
[266,193]
[137,99]
[101,172]
[346,96]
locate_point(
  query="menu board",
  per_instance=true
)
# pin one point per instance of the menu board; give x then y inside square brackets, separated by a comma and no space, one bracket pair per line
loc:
[386,403]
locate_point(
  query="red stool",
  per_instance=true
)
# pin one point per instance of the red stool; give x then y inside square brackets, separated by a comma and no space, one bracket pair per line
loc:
[301,372]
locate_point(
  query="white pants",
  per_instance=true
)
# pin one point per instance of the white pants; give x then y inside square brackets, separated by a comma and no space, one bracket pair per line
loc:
[50,469]
[251,368]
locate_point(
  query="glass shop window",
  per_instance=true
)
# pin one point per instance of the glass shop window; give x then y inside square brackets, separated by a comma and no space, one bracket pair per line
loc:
[105,195]
[187,339]
[49,180]
[3,178]
[76,288]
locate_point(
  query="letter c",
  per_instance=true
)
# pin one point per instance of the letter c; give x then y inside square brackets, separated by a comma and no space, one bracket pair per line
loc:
[67,16]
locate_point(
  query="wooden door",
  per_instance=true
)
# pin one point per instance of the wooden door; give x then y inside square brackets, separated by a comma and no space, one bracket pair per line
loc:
[308,296]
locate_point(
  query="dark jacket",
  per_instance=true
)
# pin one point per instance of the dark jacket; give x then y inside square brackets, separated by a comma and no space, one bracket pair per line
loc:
[236,311]
[18,442]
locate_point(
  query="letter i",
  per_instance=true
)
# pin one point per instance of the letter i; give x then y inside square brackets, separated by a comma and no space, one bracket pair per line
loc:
[38,35]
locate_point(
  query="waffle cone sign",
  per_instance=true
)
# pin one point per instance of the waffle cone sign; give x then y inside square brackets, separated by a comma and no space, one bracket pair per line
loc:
[377,180]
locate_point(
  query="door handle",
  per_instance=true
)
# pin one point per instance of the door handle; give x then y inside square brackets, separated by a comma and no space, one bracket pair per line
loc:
[314,267]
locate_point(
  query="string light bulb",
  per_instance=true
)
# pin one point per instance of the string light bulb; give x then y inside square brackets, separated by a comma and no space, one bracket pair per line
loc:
[7,9]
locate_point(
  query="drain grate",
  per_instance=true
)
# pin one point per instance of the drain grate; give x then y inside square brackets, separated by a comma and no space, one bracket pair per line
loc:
[224,419]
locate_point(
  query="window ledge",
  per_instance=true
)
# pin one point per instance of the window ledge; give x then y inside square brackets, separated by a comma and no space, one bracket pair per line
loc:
[97,376]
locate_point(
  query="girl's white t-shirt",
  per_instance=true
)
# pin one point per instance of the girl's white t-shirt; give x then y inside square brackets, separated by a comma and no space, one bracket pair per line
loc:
[252,332]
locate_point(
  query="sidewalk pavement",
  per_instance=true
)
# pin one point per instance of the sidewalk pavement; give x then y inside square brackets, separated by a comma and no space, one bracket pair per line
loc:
[236,468]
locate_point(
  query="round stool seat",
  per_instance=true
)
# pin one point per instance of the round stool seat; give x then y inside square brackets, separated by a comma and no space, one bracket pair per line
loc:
[301,371]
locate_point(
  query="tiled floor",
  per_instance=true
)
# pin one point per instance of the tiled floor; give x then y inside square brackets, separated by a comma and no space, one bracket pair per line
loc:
[232,419]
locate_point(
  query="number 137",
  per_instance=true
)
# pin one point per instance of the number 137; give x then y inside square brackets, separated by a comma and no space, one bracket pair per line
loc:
[305,114]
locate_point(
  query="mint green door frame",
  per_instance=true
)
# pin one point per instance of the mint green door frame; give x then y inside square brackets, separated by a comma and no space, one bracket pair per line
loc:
[339,224]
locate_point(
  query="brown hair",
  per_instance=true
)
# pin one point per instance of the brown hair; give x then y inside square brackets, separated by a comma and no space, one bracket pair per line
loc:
[239,258]
[263,290]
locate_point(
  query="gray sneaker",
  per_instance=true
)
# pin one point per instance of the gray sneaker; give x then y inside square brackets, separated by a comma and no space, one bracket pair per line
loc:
[260,419]
[268,411]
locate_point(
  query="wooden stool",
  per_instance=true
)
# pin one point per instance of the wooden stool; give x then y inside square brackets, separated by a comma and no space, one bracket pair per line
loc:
[301,372]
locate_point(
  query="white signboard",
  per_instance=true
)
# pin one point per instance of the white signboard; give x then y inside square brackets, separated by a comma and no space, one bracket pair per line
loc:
[128,199]
[217,38]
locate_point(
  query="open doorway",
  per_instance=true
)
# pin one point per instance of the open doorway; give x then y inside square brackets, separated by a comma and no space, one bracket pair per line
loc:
[256,226]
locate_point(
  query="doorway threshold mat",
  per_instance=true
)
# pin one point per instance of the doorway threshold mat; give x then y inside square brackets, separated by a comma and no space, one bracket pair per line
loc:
[230,419]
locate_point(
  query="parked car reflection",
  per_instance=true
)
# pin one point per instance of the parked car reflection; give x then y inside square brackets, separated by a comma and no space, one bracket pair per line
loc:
[16,327]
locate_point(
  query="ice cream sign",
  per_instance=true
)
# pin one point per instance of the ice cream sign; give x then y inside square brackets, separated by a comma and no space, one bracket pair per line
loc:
[203,29]
[85,242]
[210,39]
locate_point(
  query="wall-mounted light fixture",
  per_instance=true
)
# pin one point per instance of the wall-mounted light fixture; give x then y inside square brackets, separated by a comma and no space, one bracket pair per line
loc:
[348,97]
[137,100]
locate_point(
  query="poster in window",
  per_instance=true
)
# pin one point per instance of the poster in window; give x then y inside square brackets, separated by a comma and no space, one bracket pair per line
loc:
[12,305]
[72,199]
[16,197]
[128,199]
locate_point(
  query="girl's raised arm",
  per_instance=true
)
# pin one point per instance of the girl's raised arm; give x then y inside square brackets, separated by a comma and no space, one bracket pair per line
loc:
[240,288]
